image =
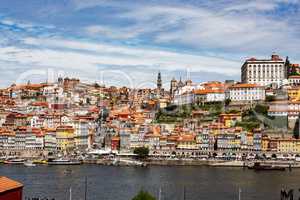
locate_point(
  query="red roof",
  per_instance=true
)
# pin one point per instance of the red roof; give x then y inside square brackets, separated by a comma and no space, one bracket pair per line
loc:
[246,85]
[7,184]
[208,91]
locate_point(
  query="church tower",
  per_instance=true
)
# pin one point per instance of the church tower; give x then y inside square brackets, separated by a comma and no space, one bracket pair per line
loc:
[173,87]
[159,82]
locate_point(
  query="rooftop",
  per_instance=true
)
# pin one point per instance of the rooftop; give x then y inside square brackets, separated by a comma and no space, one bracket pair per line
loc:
[7,184]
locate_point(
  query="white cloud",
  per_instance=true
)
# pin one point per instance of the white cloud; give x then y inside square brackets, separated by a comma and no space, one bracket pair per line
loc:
[106,54]
[206,28]
[89,60]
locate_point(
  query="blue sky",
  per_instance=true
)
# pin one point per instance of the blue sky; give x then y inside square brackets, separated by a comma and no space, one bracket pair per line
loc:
[128,42]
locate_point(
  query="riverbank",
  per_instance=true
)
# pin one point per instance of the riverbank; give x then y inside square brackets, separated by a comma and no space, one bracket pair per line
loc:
[191,162]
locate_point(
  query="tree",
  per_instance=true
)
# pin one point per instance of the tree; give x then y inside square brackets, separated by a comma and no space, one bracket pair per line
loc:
[143,195]
[227,102]
[141,152]
[262,109]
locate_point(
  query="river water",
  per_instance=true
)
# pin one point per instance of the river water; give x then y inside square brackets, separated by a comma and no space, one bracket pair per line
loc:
[122,183]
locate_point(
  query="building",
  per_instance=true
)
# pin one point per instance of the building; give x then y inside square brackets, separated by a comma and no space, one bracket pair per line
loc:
[264,72]
[207,95]
[173,87]
[187,142]
[294,80]
[7,139]
[294,93]
[257,140]
[288,110]
[65,138]
[82,133]
[245,92]
[265,143]
[125,140]
[10,189]
[203,139]
[115,143]
[50,143]
[288,145]
[159,81]
[230,119]
[183,98]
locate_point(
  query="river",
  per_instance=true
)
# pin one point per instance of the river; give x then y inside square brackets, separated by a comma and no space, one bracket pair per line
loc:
[121,183]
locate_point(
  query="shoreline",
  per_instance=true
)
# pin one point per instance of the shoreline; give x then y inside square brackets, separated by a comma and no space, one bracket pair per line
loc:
[209,163]
[179,162]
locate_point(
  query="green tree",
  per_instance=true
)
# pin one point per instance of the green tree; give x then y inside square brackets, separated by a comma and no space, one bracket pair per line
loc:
[141,152]
[143,195]
[227,102]
[262,109]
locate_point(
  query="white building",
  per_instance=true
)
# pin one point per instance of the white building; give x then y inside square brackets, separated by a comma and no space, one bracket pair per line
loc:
[294,80]
[50,142]
[183,98]
[264,71]
[206,95]
[82,132]
[288,109]
[7,139]
[36,122]
[20,139]
[245,92]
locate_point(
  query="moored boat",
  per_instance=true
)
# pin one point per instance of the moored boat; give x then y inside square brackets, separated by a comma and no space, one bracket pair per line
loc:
[259,167]
[15,161]
[29,163]
[40,162]
[64,162]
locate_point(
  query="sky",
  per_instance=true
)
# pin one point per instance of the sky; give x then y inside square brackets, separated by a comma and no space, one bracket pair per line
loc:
[129,42]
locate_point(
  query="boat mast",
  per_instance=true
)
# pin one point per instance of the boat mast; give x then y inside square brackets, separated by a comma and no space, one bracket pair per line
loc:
[159,194]
[70,196]
[85,188]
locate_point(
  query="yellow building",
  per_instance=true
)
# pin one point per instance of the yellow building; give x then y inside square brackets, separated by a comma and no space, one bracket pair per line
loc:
[230,119]
[290,145]
[265,143]
[250,141]
[65,138]
[187,142]
[294,93]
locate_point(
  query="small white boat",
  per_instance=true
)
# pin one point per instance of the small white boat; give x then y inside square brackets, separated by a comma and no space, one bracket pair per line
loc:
[29,164]
[64,162]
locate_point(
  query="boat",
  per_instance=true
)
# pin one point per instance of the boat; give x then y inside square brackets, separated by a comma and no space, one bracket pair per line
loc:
[64,162]
[258,167]
[40,162]
[15,161]
[29,163]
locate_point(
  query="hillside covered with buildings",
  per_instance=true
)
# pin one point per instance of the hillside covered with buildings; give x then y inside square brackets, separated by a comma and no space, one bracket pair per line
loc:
[260,114]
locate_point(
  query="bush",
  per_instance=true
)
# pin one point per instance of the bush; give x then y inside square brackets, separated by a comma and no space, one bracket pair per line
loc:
[227,102]
[262,109]
[248,125]
[141,152]
[142,195]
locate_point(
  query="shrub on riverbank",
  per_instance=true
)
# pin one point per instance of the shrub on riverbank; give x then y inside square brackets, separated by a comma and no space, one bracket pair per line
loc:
[141,152]
[143,195]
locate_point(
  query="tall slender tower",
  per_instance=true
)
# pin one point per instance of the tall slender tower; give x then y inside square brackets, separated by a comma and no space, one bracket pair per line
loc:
[173,87]
[159,82]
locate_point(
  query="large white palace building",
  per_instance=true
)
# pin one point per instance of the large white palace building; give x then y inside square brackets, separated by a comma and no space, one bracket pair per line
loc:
[264,71]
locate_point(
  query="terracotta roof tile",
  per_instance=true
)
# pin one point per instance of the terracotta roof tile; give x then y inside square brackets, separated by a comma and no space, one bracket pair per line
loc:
[7,184]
